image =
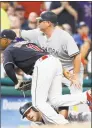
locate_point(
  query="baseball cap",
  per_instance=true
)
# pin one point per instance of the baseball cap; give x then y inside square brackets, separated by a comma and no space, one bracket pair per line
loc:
[7,33]
[47,16]
[81,24]
[24,109]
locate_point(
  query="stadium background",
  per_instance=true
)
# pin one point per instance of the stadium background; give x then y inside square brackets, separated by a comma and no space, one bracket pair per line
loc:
[17,15]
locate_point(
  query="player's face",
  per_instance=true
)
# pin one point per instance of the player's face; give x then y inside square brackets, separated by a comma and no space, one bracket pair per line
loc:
[32,115]
[43,25]
[3,43]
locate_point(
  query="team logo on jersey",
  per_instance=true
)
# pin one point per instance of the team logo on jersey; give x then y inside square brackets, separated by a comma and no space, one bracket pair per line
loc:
[28,45]
[51,51]
[34,47]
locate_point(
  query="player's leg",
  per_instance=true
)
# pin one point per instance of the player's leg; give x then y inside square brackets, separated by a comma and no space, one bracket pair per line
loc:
[69,100]
[56,90]
[58,100]
[43,76]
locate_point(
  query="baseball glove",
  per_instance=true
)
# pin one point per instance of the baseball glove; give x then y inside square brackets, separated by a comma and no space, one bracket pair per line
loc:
[24,85]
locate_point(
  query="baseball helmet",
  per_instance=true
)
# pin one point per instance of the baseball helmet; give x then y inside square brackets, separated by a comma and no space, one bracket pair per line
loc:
[7,33]
[25,108]
[48,16]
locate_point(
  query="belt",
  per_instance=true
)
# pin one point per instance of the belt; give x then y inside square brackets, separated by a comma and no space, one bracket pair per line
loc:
[44,57]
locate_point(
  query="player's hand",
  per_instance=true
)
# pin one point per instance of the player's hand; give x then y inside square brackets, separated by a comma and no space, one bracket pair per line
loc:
[20,83]
[66,73]
[75,81]
[72,77]
[24,85]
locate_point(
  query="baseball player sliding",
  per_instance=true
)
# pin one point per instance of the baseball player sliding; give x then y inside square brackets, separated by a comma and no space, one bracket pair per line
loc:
[36,118]
[60,44]
[46,73]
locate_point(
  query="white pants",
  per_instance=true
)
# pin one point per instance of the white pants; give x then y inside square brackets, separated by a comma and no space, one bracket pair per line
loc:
[46,87]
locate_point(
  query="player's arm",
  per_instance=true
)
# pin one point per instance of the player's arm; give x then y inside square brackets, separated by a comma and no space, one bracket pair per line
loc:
[30,35]
[8,64]
[74,53]
[66,73]
[77,63]
[9,68]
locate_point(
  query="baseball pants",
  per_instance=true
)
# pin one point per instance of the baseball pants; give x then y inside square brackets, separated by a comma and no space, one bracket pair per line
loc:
[46,87]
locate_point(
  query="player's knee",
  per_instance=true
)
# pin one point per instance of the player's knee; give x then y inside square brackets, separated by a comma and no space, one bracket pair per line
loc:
[54,102]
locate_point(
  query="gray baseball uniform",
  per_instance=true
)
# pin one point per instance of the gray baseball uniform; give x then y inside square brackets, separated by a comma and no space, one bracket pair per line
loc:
[61,45]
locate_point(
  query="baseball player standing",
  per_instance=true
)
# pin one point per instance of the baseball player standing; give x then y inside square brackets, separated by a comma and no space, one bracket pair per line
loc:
[60,44]
[47,74]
